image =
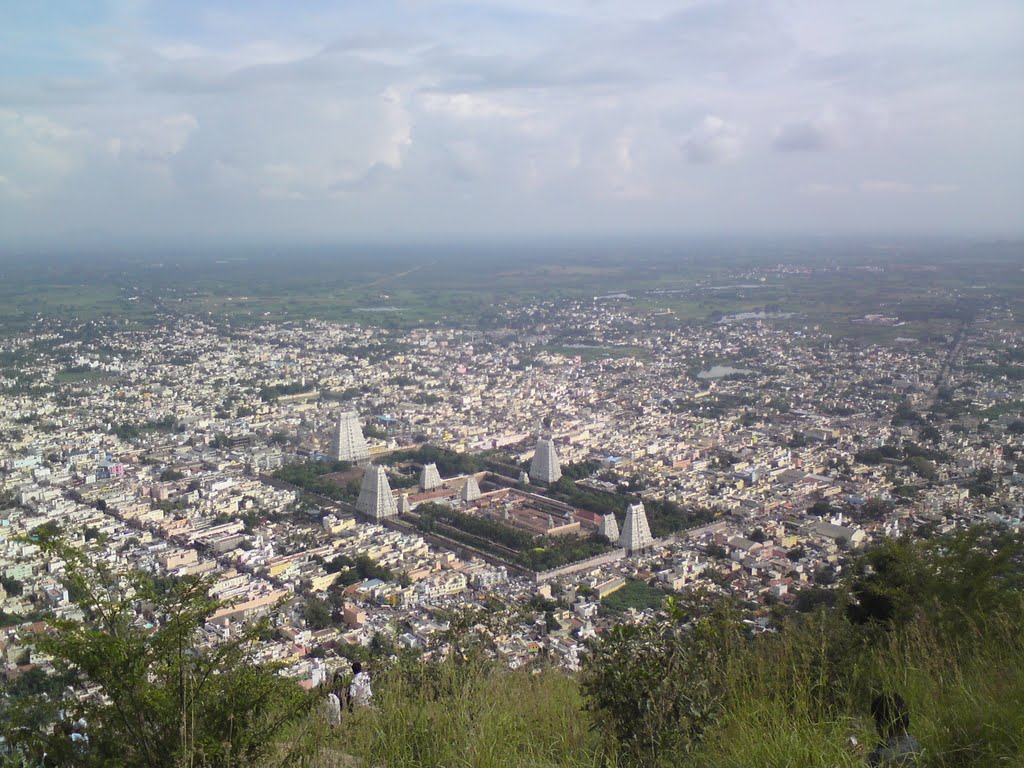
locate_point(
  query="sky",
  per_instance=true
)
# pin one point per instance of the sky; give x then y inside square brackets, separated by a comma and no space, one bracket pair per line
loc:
[178,120]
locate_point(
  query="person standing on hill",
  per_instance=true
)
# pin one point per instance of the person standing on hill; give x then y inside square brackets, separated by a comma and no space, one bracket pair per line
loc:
[897,747]
[332,704]
[360,694]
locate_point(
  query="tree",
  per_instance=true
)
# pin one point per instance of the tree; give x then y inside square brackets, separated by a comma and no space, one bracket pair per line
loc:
[316,613]
[168,699]
[821,508]
[922,467]
[796,553]
[716,550]
[876,509]
[658,687]
[959,581]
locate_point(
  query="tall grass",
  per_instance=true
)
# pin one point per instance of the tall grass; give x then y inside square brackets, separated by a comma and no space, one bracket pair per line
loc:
[797,698]
[792,699]
[469,714]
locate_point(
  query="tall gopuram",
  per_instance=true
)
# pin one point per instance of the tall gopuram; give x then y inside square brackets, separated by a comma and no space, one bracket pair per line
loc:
[636,533]
[609,527]
[471,490]
[375,498]
[347,442]
[430,478]
[544,467]
[404,505]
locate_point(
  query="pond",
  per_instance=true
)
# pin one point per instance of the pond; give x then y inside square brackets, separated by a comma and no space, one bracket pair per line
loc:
[720,371]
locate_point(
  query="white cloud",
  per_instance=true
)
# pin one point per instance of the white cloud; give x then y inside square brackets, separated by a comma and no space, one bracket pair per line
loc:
[823,190]
[156,140]
[468,160]
[715,140]
[833,128]
[566,105]
[884,186]
[807,135]
[37,153]
[469,106]
[307,145]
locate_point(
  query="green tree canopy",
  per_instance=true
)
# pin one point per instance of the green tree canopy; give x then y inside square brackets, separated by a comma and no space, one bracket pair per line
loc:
[171,695]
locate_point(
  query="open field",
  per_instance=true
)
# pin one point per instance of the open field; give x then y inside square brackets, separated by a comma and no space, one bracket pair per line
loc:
[928,286]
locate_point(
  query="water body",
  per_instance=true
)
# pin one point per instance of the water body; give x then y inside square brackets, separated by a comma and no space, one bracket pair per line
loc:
[378,309]
[719,371]
[741,316]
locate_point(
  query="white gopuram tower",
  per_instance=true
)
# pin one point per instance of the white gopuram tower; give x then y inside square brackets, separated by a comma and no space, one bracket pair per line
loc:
[404,505]
[636,533]
[375,499]
[544,467]
[430,478]
[347,442]
[609,527]
[471,490]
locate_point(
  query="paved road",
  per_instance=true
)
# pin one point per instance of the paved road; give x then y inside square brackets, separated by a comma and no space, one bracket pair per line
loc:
[947,365]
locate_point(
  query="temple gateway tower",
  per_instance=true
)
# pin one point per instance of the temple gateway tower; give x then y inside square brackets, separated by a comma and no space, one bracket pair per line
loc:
[544,467]
[375,498]
[347,442]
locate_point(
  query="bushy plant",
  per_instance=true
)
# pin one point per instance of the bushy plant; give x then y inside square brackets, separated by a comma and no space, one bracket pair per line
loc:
[656,688]
[163,698]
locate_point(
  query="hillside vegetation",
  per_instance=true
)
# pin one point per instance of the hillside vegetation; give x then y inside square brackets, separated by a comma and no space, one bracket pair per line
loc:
[937,621]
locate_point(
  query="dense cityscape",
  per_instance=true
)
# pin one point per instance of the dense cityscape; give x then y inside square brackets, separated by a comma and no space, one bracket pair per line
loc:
[511,384]
[551,473]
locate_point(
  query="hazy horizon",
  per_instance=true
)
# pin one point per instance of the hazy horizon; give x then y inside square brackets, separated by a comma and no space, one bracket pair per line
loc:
[226,124]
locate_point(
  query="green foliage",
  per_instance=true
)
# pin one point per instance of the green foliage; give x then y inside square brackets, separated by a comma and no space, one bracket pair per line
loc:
[930,620]
[716,551]
[135,431]
[958,580]
[308,475]
[906,416]
[352,570]
[467,711]
[877,455]
[797,552]
[634,594]
[658,687]
[585,498]
[663,516]
[556,551]
[922,467]
[449,463]
[537,553]
[316,613]
[171,475]
[982,483]
[581,469]
[431,514]
[270,393]
[372,430]
[167,700]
